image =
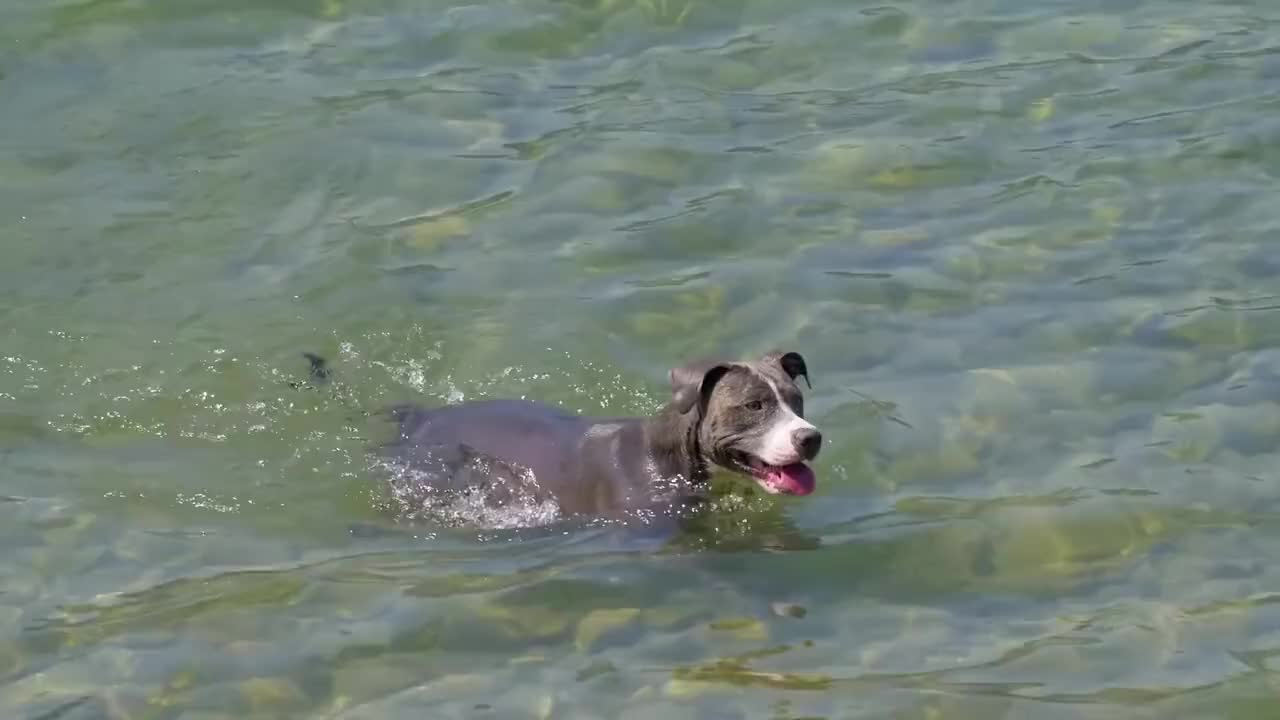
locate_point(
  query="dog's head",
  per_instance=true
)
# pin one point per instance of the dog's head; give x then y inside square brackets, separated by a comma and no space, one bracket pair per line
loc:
[750,418]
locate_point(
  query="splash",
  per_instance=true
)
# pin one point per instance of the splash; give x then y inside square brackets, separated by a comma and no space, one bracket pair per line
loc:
[476,492]
[214,397]
[204,502]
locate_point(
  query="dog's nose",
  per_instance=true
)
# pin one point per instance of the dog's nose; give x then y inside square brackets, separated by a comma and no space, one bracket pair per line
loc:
[808,440]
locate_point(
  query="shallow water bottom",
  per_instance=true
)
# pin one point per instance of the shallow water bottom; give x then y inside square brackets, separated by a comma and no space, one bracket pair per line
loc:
[1026,249]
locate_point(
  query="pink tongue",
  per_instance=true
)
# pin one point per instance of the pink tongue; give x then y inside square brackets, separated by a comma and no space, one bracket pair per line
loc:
[794,479]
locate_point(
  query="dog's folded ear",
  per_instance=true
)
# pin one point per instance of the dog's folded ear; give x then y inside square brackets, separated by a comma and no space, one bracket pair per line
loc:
[792,363]
[692,384]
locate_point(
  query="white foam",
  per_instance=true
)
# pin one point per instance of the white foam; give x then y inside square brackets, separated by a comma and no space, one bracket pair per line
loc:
[414,497]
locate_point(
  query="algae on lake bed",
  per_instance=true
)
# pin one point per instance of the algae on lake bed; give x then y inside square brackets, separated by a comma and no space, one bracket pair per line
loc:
[1025,248]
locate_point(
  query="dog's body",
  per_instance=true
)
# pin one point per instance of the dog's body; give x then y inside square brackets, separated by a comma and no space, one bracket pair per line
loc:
[747,417]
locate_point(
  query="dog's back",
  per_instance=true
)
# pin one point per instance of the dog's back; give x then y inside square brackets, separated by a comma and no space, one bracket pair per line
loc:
[522,432]
[519,451]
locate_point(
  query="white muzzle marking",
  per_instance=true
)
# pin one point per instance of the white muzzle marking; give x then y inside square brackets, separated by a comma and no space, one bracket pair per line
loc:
[777,446]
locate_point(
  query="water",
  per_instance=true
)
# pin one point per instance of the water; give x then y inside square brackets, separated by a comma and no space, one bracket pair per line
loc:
[1026,248]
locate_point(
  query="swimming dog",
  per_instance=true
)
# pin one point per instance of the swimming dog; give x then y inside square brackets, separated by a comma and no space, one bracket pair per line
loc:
[744,416]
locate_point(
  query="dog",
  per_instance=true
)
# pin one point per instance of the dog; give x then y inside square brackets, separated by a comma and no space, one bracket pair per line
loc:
[745,416]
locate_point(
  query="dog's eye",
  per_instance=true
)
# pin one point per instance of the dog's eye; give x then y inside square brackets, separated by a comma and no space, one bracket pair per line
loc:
[755,406]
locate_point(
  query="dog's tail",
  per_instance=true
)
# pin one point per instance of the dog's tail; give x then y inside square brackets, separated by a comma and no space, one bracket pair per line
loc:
[320,371]
[321,374]
[318,374]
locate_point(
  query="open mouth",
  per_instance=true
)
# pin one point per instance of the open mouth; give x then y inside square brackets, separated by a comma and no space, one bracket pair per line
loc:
[793,479]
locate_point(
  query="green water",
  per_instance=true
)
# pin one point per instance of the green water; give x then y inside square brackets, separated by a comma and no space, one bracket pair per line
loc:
[1028,249]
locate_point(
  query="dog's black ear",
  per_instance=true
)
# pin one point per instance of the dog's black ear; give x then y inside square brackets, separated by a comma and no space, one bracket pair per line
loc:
[792,363]
[692,384]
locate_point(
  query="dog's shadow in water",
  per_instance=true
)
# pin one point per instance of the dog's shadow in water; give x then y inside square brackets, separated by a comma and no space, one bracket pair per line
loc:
[737,520]
[732,522]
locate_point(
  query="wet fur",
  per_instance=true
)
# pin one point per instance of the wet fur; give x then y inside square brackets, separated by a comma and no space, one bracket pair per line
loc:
[522,451]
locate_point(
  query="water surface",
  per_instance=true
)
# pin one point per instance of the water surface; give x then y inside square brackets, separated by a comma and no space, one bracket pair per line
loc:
[1027,248]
